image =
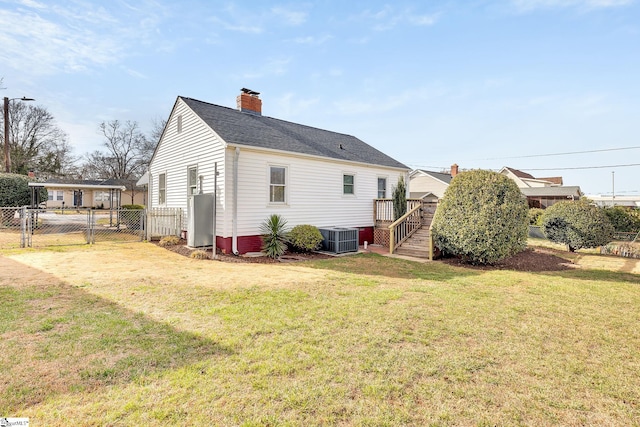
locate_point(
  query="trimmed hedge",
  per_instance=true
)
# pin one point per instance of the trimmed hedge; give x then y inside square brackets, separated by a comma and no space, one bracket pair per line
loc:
[305,238]
[577,225]
[482,218]
[14,190]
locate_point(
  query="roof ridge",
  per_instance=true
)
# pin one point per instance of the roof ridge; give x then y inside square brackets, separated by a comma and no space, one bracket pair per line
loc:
[267,117]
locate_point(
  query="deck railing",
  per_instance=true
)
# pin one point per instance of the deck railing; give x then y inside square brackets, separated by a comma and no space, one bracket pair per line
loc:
[383,209]
[402,228]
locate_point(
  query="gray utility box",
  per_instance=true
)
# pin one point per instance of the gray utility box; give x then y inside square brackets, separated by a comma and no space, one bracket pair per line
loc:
[339,239]
[200,224]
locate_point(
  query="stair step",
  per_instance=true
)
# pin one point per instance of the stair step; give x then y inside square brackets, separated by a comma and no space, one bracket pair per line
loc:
[413,253]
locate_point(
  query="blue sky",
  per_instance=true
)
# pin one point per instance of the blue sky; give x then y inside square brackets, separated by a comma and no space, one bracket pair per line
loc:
[483,84]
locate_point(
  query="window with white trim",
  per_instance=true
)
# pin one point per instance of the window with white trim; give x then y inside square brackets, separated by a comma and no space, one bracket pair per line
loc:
[348,184]
[179,123]
[192,180]
[162,188]
[277,184]
[382,188]
[60,195]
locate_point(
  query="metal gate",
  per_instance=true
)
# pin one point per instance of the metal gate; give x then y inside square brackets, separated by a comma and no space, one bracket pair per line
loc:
[26,227]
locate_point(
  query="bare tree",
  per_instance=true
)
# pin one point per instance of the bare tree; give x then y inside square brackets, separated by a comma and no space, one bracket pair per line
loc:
[125,156]
[36,142]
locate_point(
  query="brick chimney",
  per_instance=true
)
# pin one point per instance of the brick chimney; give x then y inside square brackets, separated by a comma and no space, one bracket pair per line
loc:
[32,174]
[249,102]
[454,170]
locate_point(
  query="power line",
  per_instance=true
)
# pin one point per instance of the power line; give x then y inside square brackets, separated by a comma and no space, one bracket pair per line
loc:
[581,167]
[563,154]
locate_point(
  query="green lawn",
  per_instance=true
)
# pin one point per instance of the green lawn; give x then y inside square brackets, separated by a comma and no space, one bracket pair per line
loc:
[131,334]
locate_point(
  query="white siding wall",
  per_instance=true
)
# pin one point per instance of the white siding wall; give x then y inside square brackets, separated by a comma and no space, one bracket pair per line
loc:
[314,193]
[196,145]
[424,184]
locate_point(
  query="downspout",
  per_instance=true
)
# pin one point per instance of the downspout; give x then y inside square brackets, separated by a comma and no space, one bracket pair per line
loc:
[234,220]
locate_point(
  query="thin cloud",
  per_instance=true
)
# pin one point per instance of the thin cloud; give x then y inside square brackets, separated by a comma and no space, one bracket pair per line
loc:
[313,40]
[531,5]
[389,18]
[47,39]
[291,17]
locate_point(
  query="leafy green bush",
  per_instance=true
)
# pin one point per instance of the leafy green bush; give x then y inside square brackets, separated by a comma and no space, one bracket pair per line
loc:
[305,238]
[132,207]
[577,225]
[535,216]
[14,190]
[399,199]
[274,236]
[482,218]
[623,219]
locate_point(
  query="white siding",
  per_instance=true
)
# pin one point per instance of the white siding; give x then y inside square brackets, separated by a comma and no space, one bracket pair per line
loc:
[196,145]
[425,184]
[314,193]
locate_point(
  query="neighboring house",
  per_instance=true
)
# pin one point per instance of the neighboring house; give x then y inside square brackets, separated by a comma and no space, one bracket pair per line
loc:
[542,192]
[87,193]
[430,186]
[266,166]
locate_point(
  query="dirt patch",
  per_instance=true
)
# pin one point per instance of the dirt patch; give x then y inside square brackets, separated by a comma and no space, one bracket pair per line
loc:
[531,259]
[182,249]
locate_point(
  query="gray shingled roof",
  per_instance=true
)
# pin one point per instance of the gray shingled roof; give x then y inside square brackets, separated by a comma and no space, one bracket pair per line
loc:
[560,191]
[237,128]
[444,177]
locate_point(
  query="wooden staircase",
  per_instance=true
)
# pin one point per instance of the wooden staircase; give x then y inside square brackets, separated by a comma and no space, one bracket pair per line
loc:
[417,245]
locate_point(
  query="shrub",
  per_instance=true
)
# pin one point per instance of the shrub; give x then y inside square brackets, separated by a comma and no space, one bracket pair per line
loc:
[577,225]
[482,218]
[623,220]
[169,241]
[274,236]
[399,199]
[535,216]
[14,190]
[199,254]
[305,238]
[137,207]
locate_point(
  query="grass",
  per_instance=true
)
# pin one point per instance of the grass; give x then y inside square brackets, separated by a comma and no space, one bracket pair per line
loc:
[132,334]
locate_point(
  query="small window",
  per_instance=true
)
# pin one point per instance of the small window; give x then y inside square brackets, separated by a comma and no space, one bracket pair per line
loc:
[382,188]
[277,184]
[162,188]
[179,123]
[50,195]
[60,195]
[192,180]
[348,186]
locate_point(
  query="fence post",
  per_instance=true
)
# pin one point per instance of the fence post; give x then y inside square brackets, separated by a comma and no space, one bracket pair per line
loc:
[23,227]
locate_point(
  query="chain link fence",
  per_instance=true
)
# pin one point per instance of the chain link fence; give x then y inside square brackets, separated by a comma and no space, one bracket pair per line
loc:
[25,227]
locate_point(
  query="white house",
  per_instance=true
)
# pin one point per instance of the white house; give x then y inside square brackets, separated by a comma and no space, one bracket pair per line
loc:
[429,185]
[266,166]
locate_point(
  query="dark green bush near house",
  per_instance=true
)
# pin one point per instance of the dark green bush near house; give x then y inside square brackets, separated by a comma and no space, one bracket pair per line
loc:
[305,238]
[482,218]
[14,190]
[399,199]
[623,219]
[274,236]
[577,225]
[535,216]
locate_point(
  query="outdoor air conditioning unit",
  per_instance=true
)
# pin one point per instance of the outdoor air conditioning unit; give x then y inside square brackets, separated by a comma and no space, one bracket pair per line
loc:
[339,239]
